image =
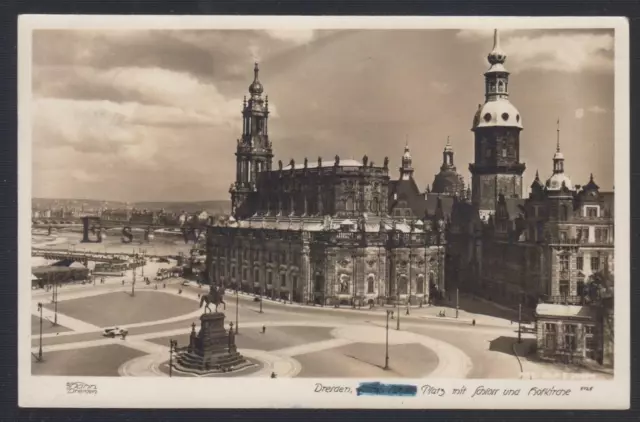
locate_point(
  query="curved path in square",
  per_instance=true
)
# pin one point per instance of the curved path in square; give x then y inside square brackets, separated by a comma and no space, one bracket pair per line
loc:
[461,350]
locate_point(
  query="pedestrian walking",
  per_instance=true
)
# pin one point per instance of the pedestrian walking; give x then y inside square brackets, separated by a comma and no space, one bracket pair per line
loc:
[473,322]
[123,282]
[273,375]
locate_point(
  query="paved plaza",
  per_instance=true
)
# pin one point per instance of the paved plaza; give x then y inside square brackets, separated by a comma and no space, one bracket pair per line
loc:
[299,341]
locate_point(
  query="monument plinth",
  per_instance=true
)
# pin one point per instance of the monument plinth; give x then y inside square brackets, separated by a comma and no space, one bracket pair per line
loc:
[212,350]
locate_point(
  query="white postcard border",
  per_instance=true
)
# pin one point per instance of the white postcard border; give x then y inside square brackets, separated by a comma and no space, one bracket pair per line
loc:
[44,391]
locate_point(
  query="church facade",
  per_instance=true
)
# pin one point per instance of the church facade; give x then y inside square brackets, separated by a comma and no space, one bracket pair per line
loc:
[319,231]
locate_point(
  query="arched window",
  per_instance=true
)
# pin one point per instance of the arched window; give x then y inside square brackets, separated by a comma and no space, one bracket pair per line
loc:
[344,284]
[420,284]
[350,204]
[370,282]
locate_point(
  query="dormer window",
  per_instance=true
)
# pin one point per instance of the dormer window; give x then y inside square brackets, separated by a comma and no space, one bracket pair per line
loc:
[592,211]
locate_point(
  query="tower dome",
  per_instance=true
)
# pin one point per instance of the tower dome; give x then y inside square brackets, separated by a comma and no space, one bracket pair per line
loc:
[256,89]
[448,181]
[558,180]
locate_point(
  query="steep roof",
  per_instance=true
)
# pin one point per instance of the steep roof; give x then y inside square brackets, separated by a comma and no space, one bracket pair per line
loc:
[406,190]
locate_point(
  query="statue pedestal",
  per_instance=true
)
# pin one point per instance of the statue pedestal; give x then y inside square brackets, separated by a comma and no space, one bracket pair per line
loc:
[212,350]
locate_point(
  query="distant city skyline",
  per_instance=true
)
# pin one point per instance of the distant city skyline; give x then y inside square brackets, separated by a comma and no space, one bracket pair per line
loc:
[153,115]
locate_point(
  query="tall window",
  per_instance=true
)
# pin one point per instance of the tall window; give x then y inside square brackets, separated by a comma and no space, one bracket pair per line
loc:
[402,288]
[563,236]
[370,281]
[592,212]
[550,336]
[376,205]
[294,281]
[579,262]
[283,279]
[256,276]
[245,274]
[233,272]
[564,212]
[504,153]
[595,264]
[602,235]
[420,285]
[564,288]
[570,342]
[582,234]
[270,277]
[564,262]
[350,204]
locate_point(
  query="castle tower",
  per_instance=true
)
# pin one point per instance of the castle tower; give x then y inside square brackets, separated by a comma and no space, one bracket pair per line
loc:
[559,189]
[253,153]
[406,170]
[497,124]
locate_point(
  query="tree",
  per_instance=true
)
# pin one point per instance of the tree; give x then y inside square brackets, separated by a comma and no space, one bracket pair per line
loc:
[599,289]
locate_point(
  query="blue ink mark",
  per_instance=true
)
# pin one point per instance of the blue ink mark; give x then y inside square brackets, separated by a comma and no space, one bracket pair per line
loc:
[379,389]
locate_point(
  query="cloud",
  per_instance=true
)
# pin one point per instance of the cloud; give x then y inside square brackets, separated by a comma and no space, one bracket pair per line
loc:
[295,36]
[579,113]
[596,110]
[568,51]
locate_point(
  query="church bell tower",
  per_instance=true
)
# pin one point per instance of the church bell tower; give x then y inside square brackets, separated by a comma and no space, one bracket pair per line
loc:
[497,124]
[253,152]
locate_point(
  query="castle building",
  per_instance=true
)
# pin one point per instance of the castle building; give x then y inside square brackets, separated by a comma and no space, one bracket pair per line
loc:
[548,251]
[320,231]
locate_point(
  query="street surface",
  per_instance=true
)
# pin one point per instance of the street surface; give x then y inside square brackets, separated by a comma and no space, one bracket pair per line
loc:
[299,341]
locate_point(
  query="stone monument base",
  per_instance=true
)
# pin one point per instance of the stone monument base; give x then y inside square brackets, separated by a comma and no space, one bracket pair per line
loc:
[211,351]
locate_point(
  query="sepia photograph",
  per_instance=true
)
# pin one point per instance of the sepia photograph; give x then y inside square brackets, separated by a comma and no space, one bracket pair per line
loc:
[313,212]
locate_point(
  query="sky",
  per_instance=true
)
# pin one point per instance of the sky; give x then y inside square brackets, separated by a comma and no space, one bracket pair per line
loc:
[153,115]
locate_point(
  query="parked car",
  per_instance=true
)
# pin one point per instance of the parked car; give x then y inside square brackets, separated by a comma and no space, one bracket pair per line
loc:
[115,332]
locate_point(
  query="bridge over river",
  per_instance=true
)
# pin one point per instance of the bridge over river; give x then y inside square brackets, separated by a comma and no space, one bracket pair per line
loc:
[93,228]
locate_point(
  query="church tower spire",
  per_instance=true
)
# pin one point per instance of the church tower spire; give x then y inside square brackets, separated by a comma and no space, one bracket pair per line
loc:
[253,153]
[496,125]
[406,170]
[447,157]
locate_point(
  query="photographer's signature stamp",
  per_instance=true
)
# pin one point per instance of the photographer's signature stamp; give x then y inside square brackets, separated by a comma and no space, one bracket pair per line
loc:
[81,388]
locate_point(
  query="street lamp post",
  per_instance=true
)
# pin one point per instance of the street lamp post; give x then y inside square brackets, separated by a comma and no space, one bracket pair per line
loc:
[39,357]
[133,283]
[55,302]
[237,305]
[520,323]
[173,344]
[386,355]
[397,305]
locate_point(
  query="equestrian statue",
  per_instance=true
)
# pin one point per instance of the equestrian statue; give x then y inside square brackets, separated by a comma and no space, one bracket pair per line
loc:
[215,296]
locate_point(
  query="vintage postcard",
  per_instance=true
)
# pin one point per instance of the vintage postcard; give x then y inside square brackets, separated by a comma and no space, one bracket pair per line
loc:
[297,212]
